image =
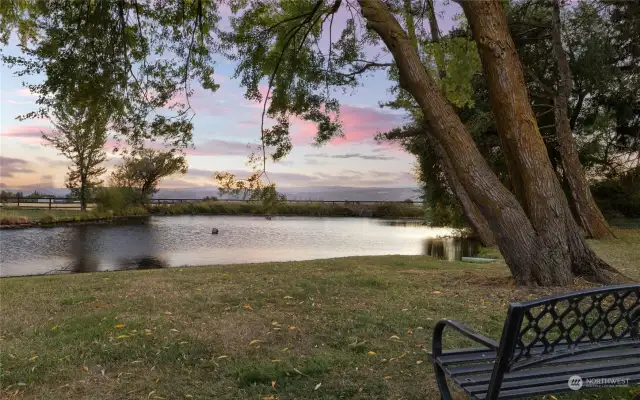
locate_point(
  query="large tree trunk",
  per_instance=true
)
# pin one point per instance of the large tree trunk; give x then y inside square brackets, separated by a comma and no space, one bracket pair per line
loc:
[531,257]
[545,203]
[587,213]
[479,224]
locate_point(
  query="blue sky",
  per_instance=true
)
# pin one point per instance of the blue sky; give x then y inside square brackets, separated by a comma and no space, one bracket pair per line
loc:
[225,123]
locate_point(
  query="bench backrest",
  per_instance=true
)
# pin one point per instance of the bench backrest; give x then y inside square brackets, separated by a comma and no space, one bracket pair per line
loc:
[555,326]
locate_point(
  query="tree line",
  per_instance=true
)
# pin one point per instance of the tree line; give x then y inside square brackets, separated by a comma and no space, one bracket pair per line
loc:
[508,108]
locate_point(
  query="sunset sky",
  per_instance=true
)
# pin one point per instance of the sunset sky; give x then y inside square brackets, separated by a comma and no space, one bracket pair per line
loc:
[224,124]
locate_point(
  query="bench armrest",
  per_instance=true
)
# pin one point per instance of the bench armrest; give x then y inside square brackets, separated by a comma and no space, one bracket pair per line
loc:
[476,337]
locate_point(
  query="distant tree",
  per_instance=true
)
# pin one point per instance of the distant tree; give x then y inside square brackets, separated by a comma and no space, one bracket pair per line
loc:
[38,195]
[80,136]
[143,170]
[5,194]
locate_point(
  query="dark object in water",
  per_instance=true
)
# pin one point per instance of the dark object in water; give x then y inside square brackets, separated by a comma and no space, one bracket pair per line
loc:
[268,217]
[214,231]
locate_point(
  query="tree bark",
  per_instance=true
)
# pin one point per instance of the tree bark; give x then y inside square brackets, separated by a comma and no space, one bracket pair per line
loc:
[587,213]
[545,203]
[83,193]
[479,224]
[532,257]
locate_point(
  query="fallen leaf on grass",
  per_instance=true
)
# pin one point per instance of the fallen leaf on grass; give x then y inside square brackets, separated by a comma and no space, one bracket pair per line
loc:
[436,292]
[173,330]
[33,358]
[122,337]
[372,353]
[409,332]
[394,337]
[399,357]
[168,313]
[288,297]
[85,368]
[292,328]
[221,357]
[270,398]
[317,386]
[273,384]
[255,341]
[388,377]
[188,396]
[274,323]
[120,326]
[419,362]
[247,307]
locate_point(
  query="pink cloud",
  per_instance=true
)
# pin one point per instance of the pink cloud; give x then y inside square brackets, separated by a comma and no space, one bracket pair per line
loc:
[359,124]
[216,147]
[27,133]
[24,92]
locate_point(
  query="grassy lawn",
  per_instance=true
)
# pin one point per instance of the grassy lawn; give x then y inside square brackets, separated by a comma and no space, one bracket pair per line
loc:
[351,328]
[33,214]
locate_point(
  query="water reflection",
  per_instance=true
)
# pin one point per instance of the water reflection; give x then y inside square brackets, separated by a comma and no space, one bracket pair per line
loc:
[451,248]
[135,252]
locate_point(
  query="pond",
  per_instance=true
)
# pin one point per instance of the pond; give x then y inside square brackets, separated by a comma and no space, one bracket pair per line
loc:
[159,242]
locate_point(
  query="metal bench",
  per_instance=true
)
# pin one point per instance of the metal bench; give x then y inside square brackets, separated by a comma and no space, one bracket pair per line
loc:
[585,335]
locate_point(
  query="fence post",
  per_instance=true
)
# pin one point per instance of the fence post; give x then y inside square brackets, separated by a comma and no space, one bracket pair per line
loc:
[18,201]
[49,203]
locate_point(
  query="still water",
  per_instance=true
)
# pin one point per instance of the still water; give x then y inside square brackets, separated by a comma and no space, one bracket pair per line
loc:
[176,241]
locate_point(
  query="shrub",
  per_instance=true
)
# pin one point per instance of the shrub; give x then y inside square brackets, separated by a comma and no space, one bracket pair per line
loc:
[389,210]
[620,195]
[47,219]
[13,220]
[117,199]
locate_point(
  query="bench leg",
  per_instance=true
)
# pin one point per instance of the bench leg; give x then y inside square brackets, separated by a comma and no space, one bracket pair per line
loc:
[441,379]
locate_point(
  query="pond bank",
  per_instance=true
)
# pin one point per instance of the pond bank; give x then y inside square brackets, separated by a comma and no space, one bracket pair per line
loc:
[309,209]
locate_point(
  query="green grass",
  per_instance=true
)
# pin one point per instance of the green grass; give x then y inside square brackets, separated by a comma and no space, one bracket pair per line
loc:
[260,331]
[26,216]
[346,209]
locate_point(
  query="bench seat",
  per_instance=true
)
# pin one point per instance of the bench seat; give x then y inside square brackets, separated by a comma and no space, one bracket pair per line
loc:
[592,335]
[471,370]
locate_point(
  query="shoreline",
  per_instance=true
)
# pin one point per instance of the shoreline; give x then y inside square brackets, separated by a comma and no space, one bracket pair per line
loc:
[93,221]
[122,218]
